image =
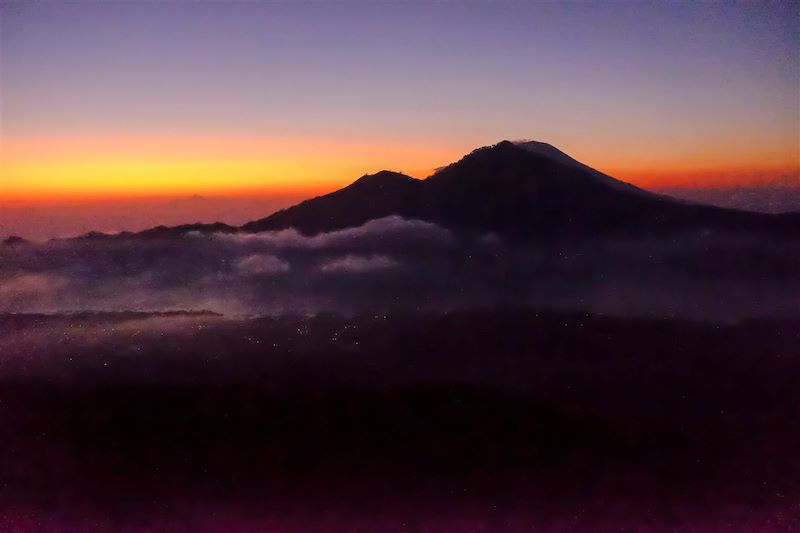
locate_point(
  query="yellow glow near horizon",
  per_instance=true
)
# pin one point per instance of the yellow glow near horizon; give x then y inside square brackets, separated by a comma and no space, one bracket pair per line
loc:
[121,176]
[85,167]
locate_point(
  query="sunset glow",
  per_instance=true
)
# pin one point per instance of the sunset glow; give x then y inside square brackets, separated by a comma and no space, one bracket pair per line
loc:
[129,100]
[363,265]
[46,169]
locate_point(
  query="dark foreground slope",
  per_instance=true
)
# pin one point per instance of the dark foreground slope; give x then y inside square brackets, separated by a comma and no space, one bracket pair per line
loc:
[528,191]
[501,421]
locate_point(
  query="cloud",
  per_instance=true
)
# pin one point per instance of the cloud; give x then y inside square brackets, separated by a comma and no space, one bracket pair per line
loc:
[26,285]
[24,289]
[261,264]
[407,265]
[356,264]
[269,272]
[392,228]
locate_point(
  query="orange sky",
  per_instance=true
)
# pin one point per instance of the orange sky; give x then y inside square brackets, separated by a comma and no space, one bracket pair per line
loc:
[43,169]
[112,111]
[46,169]
[130,99]
[60,187]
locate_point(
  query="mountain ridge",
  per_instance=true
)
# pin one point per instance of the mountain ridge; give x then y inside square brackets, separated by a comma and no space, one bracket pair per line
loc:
[527,191]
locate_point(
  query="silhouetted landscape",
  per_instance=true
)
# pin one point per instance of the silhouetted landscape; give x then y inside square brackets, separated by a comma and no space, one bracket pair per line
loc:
[399,267]
[517,341]
[500,418]
[529,191]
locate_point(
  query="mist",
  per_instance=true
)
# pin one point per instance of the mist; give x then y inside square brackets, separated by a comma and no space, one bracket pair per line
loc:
[394,264]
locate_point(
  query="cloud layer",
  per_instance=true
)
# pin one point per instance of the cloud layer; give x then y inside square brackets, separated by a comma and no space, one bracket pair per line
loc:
[397,264]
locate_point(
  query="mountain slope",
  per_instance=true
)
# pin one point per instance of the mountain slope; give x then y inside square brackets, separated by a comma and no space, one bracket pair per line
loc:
[371,196]
[526,191]
[551,152]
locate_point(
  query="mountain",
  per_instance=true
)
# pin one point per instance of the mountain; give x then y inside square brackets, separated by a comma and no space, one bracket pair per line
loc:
[527,191]
[159,231]
[370,197]
[13,240]
[556,155]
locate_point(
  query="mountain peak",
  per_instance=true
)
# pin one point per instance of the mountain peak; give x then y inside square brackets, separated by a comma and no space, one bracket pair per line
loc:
[383,178]
[524,190]
[550,152]
[490,155]
[369,197]
[502,147]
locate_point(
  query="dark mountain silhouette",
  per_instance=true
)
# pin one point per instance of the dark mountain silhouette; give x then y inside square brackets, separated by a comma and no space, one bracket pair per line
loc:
[162,231]
[216,227]
[14,240]
[369,197]
[527,190]
[553,153]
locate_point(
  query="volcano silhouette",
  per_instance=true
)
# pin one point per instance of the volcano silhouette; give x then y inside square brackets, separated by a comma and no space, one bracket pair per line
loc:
[525,190]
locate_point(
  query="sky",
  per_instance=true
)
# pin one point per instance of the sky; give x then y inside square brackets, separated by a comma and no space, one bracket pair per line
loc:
[110,103]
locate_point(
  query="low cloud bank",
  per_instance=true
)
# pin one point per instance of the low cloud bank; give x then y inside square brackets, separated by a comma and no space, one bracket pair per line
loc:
[261,264]
[356,264]
[397,264]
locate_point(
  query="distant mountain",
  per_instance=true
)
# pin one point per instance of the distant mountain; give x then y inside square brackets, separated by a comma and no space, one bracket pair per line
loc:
[13,240]
[161,231]
[528,190]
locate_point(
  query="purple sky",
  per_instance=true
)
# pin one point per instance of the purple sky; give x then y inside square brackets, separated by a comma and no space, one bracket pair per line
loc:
[472,71]
[660,94]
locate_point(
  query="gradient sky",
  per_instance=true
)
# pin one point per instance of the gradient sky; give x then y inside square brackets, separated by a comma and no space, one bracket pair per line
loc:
[119,99]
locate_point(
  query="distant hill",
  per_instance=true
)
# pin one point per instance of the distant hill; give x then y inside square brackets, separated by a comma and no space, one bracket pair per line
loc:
[161,231]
